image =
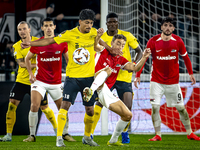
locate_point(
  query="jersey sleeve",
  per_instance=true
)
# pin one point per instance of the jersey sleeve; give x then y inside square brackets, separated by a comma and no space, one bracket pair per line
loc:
[182,49]
[124,62]
[62,37]
[65,47]
[17,53]
[132,41]
[34,50]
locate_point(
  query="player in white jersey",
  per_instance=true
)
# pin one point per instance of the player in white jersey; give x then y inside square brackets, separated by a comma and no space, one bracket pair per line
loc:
[165,48]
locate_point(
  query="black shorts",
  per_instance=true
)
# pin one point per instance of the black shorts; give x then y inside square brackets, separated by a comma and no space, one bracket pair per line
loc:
[122,87]
[74,85]
[19,90]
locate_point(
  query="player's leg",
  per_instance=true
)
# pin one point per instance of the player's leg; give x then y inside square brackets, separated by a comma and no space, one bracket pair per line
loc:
[156,93]
[125,93]
[119,108]
[69,94]
[174,97]
[16,95]
[37,94]
[97,113]
[100,78]
[89,108]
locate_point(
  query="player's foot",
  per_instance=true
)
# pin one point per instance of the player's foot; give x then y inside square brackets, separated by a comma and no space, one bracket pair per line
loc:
[87,94]
[60,143]
[156,138]
[68,138]
[192,136]
[6,138]
[89,141]
[115,144]
[31,138]
[125,137]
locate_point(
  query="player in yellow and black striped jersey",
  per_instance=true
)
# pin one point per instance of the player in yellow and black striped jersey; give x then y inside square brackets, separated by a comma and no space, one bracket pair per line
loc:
[78,76]
[22,85]
[123,84]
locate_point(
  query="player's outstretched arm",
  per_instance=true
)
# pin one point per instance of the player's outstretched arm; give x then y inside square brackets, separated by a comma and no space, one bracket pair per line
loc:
[29,67]
[136,67]
[41,42]
[66,57]
[138,54]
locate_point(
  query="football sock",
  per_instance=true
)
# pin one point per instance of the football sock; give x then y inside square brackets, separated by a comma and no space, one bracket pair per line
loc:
[11,117]
[97,114]
[99,80]
[156,119]
[61,121]
[50,116]
[118,130]
[184,117]
[65,130]
[126,128]
[88,121]
[33,120]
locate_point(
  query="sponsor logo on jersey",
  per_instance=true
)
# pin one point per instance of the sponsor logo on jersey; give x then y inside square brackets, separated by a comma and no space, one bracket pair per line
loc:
[42,52]
[173,50]
[50,59]
[118,65]
[159,50]
[60,35]
[106,65]
[166,57]
[57,52]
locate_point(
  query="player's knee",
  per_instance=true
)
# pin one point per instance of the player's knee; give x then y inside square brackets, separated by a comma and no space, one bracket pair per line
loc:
[180,108]
[155,109]
[89,111]
[127,116]
[15,102]
[35,107]
[43,107]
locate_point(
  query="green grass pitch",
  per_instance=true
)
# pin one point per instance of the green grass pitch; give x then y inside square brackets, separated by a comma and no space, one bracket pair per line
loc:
[138,142]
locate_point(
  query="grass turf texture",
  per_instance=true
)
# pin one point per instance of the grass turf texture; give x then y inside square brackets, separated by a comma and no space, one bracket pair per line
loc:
[140,142]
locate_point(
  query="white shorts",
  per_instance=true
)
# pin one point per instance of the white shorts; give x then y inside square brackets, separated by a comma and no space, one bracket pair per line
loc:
[55,90]
[106,97]
[172,93]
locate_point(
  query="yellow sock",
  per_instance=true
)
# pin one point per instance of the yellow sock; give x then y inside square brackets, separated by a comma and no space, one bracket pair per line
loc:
[50,116]
[11,117]
[88,121]
[126,128]
[97,114]
[61,121]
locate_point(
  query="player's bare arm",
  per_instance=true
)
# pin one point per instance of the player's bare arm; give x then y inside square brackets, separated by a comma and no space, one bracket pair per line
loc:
[66,57]
[98,47]
[138,54]
[28,57]
[22,64]
[41,42]
[138,66]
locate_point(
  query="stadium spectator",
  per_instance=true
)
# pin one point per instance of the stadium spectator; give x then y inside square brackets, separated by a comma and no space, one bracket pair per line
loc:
[78,76]
[47,79]
[123,84]
[104,74]
[21,86]
[165,76]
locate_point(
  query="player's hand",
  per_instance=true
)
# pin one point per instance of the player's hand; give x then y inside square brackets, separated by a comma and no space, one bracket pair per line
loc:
[192,78]
[147,52]
[25,45]
[60,17]
[137,80]
[100,32]
[115,51]
[32,78]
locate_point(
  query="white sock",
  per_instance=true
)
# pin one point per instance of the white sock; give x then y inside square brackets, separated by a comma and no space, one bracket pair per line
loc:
[33,119]
[65,130]
[118,130]
[99,80]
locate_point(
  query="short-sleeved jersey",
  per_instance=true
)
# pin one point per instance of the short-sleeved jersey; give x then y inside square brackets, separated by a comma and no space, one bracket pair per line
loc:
[75,39]
[132,42]
[165,65]
[103,59]
[19,53]
[49,62]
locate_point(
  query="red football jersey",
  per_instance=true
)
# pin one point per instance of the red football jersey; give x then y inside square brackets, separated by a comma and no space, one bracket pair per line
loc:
[165,65]
[116,63]
[49,62]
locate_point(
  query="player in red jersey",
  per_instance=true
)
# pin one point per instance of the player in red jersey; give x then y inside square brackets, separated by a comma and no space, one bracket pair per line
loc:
[47,77]
[165,48]
[107,68]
